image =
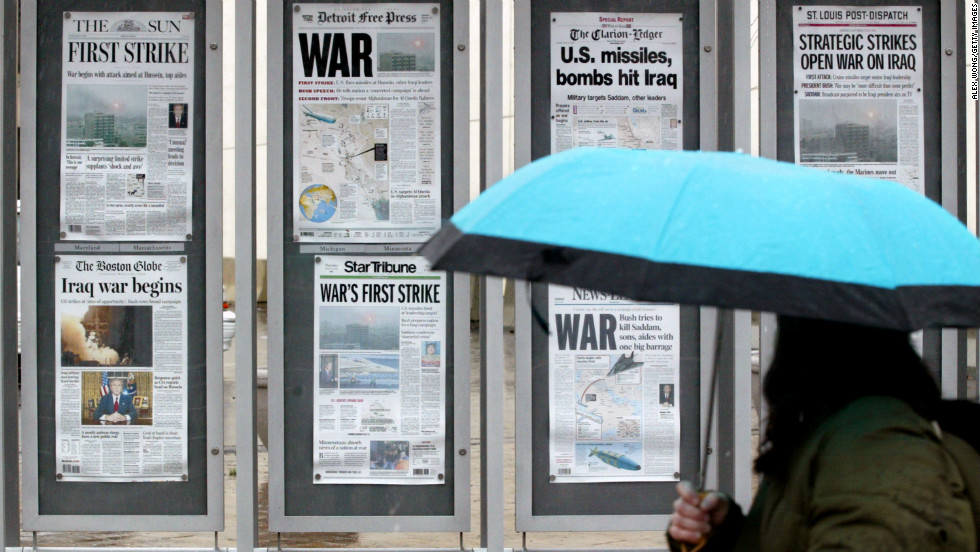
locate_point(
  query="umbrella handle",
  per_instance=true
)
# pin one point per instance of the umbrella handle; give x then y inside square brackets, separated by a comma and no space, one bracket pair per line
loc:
[707,440]
[701,544]
[704,540]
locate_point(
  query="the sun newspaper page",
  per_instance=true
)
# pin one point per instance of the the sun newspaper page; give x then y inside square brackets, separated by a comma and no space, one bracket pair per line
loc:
[126,126]
[121,350]
[366,122]
[612,388]
[858,91]
[379,408]
[616,80]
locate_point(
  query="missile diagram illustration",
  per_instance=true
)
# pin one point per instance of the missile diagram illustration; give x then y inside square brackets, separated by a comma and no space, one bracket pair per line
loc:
[318,117]
[615,459]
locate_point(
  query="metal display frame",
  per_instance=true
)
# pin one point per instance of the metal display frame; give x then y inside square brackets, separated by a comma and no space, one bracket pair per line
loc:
[945,347]
[953,361]
[492,358]
[9,457]
[735,457]
[459,521]
[246,353]
[213,520]
[736,386]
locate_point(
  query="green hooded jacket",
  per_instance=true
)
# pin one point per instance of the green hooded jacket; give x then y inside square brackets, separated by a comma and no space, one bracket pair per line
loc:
[874,477]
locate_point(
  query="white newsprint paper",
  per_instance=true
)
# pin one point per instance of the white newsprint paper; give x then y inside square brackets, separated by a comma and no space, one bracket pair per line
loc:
[612,388]
[616,80]
[366,122]
[121,358]
[379,406]
[857,84]
[126,130]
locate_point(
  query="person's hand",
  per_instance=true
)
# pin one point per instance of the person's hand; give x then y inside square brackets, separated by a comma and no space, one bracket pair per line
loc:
[695,515]
[116,417]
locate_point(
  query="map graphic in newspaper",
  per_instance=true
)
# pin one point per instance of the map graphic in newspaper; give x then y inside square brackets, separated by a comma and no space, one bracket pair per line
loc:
[609,407]
[619,132]
[345,148]
[318,203]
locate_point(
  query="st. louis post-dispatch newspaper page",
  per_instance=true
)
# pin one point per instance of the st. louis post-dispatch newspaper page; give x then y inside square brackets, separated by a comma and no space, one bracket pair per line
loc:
[616,80]
[612,388]
[858,91]
[379,408]
[366,122]
[127,135]
[121,350]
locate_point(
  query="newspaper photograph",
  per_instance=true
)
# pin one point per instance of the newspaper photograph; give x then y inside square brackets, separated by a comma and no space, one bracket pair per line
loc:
[127,136]
[858,91]
[613,388]
[121,350]
[366,122]
[379,408]
[617,80]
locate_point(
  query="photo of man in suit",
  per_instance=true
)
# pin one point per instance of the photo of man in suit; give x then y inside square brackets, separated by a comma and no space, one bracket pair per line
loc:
[328,371]
[178,115]
[116,406]
[666,395]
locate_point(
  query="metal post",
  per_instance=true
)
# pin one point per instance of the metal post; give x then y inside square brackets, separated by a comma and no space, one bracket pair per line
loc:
[949,116]
[522,293]
[28,251]
[709,332]
[274,219]
[741,21]
[708,139]
[246,489]
[767,148]
[491,292]
[767,78]
[10,482]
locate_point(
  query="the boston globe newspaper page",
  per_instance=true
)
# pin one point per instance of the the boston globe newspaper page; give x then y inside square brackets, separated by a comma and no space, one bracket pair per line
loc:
[126,126]
[121,368]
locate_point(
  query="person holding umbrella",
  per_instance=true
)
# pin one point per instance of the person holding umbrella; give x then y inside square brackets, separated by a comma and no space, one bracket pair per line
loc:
[851,458]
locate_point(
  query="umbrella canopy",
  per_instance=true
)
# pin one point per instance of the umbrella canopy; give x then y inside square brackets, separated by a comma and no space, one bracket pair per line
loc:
[722,229]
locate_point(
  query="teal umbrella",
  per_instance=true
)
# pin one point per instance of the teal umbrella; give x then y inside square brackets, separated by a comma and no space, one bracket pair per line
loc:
[722,229]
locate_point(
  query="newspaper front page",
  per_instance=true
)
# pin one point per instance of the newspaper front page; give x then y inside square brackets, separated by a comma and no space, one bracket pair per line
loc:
[379,409]
[121,350]
[366,122]
[858,91]
[126,126]
[613,388]
[616,80]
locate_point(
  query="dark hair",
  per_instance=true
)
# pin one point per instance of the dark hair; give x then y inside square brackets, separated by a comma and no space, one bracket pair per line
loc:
[821,366]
